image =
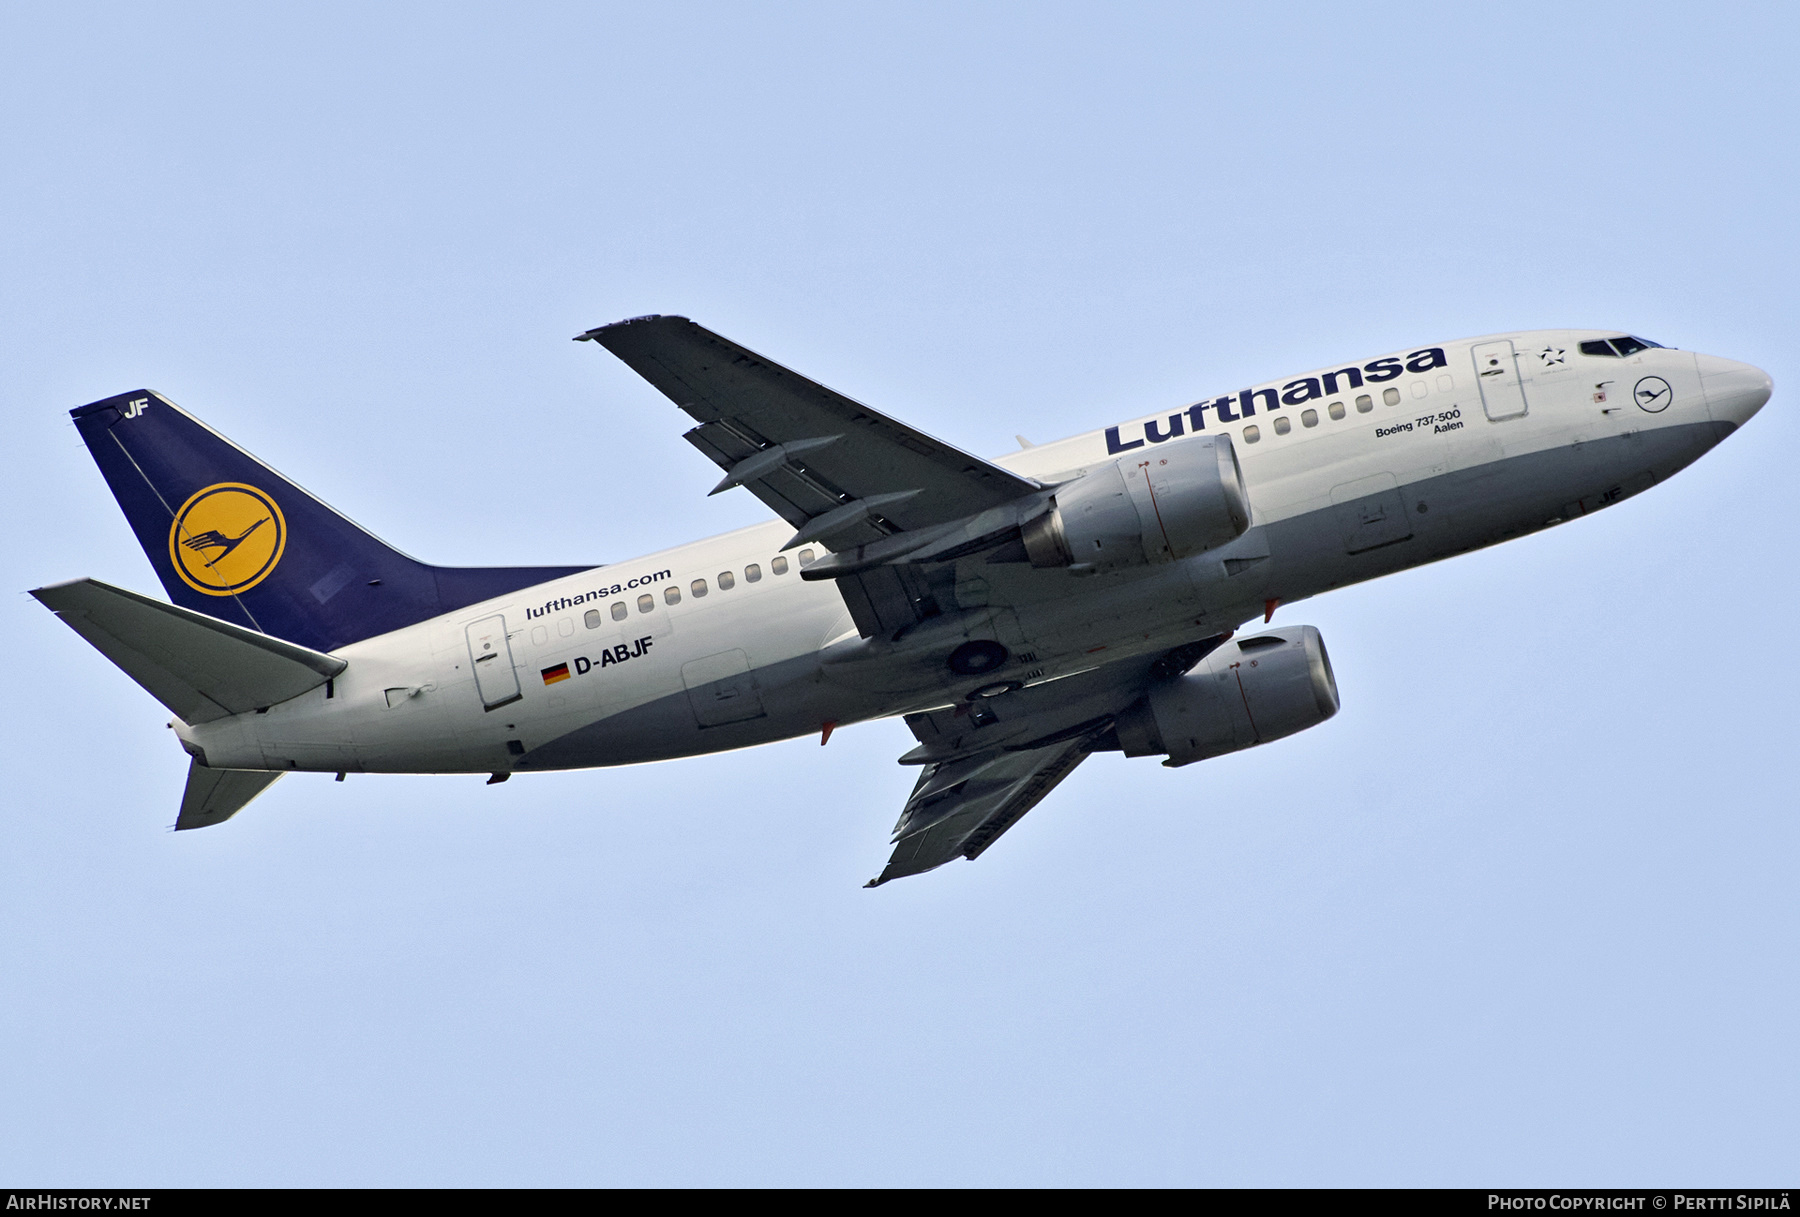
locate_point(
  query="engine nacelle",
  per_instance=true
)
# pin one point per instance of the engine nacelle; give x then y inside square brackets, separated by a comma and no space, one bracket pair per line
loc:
[1172,502]
[1245,693]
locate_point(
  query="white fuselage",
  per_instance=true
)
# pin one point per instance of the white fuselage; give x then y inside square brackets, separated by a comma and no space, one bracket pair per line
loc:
[706,647]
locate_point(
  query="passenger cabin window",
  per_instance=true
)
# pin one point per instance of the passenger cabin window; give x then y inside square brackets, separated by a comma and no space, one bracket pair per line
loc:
[591,619]
[619,610]
[1283,426]
[752,573]
[646,602]
[565,626]
[1335,409]
[1252,433]
[778,564]
[727,580]
[671,594]
[1364,404]
[806,557]
[1309,418]
[698,587]
[1391,396]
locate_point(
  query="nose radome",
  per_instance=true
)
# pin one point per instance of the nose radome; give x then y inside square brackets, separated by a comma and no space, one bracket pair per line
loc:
[1734,391]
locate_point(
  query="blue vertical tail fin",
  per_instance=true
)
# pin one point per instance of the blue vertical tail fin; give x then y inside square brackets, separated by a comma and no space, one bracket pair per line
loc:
[233,539]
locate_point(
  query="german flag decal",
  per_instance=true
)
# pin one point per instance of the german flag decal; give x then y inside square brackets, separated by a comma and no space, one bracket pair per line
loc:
[559,672]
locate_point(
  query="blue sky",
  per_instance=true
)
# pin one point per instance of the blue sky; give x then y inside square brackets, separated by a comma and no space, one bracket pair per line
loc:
[1523,912]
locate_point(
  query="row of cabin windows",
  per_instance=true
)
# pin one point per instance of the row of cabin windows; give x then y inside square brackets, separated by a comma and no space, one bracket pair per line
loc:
[672,594]
[1309,417]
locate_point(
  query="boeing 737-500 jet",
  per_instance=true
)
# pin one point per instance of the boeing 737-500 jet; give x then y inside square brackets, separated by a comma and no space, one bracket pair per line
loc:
[1021,613]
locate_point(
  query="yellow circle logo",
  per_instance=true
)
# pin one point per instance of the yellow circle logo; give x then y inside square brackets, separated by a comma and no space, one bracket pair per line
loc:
[226,539]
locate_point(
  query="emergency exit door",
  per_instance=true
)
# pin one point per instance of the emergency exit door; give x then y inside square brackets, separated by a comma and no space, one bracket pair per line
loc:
[1370,513]
[491,657]
[1497,372]
[722,689]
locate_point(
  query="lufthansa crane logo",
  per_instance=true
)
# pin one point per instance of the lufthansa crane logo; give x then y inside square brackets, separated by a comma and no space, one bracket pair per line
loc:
[226,539]
[1653,394]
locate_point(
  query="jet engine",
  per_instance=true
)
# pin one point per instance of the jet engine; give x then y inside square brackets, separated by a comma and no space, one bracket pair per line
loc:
[1245,693]
[1168,503]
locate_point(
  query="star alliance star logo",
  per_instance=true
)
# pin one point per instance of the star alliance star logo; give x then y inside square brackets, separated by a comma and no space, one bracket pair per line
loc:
[1551,355]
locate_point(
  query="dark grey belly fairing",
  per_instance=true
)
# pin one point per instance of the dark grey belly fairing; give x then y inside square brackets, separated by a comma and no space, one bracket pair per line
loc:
[1484,505]
[791,694]
[1308,554]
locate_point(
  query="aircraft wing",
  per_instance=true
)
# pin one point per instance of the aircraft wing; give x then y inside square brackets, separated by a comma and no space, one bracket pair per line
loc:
[988,762]
[840,473]
[959,808]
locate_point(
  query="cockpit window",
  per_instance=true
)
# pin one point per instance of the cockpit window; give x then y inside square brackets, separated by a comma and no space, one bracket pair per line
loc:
[1618,346]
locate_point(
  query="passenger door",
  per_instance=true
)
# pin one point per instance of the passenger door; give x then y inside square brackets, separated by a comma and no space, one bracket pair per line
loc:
[491,657]
[1497,372]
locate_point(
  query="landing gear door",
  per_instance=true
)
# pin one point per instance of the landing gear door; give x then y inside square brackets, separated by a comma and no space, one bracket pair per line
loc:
[491,657]
[1497,372]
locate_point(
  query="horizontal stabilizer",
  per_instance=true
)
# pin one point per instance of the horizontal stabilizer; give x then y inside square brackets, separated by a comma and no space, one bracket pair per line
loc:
[215,795]
[198,666]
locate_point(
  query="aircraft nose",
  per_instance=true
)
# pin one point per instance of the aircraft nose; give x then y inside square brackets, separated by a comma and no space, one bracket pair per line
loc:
[1734,391]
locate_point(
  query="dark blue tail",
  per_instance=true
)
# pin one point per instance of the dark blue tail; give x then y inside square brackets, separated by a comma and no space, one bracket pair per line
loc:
[233,539]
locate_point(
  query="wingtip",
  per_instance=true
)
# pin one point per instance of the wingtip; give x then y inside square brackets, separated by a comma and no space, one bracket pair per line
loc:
[42,594]
[593,335]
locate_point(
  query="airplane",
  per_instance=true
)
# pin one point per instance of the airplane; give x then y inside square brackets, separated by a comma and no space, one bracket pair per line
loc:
[1021,613]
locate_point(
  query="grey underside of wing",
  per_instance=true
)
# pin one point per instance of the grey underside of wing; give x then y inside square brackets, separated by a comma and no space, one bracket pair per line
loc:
[746,405]
[969,817]
[987,763]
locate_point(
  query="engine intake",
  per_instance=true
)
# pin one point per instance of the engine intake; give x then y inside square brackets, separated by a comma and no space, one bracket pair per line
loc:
[1245,693]
[1184,498]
